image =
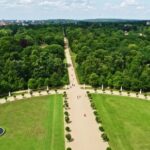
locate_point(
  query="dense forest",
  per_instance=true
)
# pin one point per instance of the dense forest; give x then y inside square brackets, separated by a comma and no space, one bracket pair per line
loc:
[31,57]
[112,54]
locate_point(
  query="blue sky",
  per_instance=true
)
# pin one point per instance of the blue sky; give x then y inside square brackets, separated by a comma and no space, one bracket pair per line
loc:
[74,9]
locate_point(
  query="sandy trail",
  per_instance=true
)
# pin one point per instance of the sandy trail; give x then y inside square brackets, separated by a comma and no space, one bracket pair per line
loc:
[84,128]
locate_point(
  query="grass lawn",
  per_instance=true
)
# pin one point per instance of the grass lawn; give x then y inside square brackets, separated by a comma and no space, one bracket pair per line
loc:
[34,124]
[125,120]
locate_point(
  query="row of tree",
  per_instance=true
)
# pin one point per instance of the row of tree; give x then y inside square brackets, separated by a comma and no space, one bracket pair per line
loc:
[112,55]
[31,57]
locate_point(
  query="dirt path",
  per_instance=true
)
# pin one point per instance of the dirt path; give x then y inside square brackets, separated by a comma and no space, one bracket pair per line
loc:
[84,127]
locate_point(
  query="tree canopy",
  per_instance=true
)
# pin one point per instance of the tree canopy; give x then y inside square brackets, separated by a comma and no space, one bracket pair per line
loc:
[114,55]
[31,57]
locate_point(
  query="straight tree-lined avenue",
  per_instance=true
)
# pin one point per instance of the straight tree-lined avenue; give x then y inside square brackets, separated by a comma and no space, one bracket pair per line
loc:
[84,128]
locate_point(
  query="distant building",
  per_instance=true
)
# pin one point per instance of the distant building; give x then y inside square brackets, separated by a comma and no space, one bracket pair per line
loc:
[2,23]
[148,23]
[126,33]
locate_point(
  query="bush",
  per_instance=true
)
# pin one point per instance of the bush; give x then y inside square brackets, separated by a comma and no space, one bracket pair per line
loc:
[108,148]
[93,106]
[98,120]
[66,101]
[105,138]
[95,113]
[68,129]
[101,129]
[66,113]
[67,119]
[69,148]
[88,92]
[47,91]
[66,104]
[90,96]
[68,137]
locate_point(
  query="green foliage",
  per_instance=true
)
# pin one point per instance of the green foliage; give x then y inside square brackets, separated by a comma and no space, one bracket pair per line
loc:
[105,138]
[68,137]
[106,56]
[68,129]
[67,119]
[101,129]
[31,57]
[98,119]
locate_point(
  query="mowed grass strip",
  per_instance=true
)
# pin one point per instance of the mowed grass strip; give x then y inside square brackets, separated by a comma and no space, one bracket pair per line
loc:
[33,124]
[125,120]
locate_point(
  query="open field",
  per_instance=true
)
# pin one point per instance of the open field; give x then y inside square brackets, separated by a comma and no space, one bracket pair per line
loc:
[125,120]
[34,124]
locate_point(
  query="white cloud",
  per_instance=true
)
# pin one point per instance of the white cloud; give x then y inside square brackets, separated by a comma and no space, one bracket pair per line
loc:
[140,7]
[126,3]
[62,4]
[24,2]
[67,4]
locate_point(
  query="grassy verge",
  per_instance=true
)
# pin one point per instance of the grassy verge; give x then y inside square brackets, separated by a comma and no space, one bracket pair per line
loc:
[73,56]
[125,120]
[36,123]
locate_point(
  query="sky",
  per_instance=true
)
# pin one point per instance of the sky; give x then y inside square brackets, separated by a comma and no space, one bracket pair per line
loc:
[74,9]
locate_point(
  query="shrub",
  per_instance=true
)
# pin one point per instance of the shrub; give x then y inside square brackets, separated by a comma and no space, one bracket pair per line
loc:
[88,92]
[103,90]
[145,95]
[68,129]
[120,92]
[105,138]
[66,113]
[95,113]
[69,148]
[89,95]
[128,93]
[68,137]
[47,91]
[101,129]
[66,104]
[67,119]
[31,93]
[98,120]
[93,106]
[108,148]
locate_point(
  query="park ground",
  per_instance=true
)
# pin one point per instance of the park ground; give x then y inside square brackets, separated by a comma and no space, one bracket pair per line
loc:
[33,124]
[125,120]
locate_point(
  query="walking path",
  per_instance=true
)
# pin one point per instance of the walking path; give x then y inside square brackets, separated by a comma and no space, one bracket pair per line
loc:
[27,95]
[84,128]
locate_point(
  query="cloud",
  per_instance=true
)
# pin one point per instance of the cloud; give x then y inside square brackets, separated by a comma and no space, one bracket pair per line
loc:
[67,4]
[61,4]
[25,2]
[140,7]
[126,3]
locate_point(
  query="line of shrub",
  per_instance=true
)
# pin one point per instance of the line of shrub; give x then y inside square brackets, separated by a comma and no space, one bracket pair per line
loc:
[67,120]
[98,119]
